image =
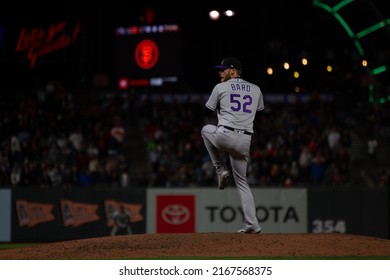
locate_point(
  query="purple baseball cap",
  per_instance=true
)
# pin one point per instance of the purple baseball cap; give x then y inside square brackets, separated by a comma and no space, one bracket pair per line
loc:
[230,62]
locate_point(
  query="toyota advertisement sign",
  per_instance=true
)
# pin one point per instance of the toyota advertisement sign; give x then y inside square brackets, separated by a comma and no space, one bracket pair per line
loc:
[213,210]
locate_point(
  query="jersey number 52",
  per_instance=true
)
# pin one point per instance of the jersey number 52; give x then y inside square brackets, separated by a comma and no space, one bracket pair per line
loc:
[239,103]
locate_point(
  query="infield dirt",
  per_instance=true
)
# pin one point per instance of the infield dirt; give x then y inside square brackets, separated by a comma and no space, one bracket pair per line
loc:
[204,245]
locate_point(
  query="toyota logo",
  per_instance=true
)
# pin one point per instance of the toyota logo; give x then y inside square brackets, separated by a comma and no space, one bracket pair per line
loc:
[175,214]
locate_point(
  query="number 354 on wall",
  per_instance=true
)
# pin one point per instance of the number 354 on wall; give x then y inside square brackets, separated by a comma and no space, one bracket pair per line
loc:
[328,226]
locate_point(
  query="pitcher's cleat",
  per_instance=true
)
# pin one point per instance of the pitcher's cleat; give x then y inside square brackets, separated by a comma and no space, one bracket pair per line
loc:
[250,230]
[223,180]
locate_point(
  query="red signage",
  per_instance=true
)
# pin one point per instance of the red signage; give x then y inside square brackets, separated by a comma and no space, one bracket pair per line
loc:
[39,42]
[175,214]
[146,54]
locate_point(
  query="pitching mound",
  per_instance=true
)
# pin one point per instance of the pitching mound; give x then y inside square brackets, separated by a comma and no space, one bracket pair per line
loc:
[205,245]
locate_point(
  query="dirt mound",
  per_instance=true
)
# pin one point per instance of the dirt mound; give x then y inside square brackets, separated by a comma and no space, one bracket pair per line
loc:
[204,245]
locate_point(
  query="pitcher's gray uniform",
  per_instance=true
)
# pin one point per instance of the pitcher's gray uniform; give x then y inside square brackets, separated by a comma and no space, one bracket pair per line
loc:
[236,102]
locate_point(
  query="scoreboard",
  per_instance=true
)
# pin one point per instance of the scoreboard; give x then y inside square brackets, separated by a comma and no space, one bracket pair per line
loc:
[148,55]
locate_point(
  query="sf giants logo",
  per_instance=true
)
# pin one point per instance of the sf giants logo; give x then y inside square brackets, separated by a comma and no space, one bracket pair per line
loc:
[39,42]
[146,54]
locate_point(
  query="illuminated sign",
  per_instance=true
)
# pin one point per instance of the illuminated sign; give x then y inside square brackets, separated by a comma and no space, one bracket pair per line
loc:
[147,55]
[39,42]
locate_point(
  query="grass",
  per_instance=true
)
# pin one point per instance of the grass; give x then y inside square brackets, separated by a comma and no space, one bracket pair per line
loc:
[16,245]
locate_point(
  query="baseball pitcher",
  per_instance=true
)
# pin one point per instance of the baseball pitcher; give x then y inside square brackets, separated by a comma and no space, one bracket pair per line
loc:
[236,102]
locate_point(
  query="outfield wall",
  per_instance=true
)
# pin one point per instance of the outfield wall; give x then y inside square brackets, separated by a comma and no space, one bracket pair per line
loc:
[5,215]
[30,215]
[213,210]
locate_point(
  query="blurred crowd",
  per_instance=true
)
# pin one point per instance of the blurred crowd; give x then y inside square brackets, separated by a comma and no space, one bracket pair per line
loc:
[52,137]
[311,143]
[293,145]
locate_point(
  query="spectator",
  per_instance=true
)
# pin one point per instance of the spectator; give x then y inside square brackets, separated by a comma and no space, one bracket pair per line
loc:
[77,139]
[305,160]
[318,168]
[384,180]
[372,145]
[16,175]
[117,134]
[334,138]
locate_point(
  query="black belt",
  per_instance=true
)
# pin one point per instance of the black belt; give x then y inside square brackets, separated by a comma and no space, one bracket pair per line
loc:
[234,129]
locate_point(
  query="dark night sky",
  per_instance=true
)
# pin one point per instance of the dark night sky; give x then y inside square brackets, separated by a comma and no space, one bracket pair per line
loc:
[261,35]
